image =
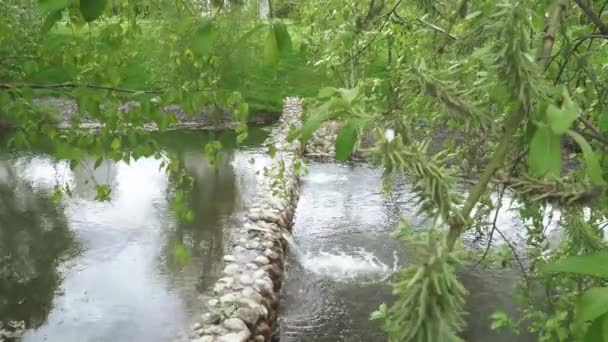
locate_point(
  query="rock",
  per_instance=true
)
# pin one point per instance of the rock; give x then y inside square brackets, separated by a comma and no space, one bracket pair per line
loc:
[252,294]
[263,286]
[214,330]
[252,266]
[259,338]
[206,338]
[229,298]
[231,269]
[242,336]
[213,302]
[261,260]
[262,311]
[229,258]
[248,315]
[212,318]
[270,254]
[259,274]
[235,324]
[246,279]
[264,330]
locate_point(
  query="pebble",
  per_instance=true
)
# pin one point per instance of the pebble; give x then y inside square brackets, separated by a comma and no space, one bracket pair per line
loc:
[213,302]
[206,338]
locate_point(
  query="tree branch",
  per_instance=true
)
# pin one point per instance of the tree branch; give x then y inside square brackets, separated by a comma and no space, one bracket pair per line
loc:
[60,86]
[593,16]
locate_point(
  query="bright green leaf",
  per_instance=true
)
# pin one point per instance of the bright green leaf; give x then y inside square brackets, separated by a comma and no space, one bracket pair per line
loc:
[545,156]
[50,20]
[283,38]
[327,92]
[48,6]
[560,119]
[115,144]
[592,305]
[593,165]
[349,95]
[592,264]
[345,141]
[92,9]
[271,48]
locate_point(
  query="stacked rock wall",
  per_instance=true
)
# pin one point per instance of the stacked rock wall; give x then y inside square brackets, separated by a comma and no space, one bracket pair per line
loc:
[323,142]
[243,306]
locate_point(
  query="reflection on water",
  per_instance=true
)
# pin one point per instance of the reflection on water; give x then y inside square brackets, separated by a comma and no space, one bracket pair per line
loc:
[343,228]
[82,270]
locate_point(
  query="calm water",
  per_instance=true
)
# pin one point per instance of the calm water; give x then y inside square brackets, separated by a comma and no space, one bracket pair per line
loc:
[89,271]
[339,274]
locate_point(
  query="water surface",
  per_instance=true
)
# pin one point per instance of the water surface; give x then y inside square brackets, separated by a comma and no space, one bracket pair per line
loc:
[83,270]
[345,254]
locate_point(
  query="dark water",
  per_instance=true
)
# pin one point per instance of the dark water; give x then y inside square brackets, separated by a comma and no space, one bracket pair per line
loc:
[82,270]
[346,252]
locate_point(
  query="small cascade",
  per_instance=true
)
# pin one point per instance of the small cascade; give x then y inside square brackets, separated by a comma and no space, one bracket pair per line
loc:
[360,264]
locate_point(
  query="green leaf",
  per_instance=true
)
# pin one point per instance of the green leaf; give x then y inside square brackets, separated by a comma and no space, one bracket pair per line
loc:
[92,9]
[595,264]
[605,327]
[349,95]
[592,305]
[181,254]
[283,38]
[204,37]
[594,333]
[50,20]
[115,144]
[603,122]
[561,118]
[345,142]
[271,48]
[593,165]
[327,92]
[98,162]
[315,119]
[244,38]
[48,6]
[545,156]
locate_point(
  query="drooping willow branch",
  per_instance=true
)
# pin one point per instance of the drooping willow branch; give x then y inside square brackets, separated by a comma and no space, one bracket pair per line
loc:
[511,125]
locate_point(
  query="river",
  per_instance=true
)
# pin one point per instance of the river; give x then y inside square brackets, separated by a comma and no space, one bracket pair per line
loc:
[82,270]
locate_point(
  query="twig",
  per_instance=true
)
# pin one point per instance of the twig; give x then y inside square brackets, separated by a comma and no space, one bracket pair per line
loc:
[491,237]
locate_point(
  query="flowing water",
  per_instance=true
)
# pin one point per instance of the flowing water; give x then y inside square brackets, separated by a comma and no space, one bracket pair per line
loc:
[89,271]
[345,253]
